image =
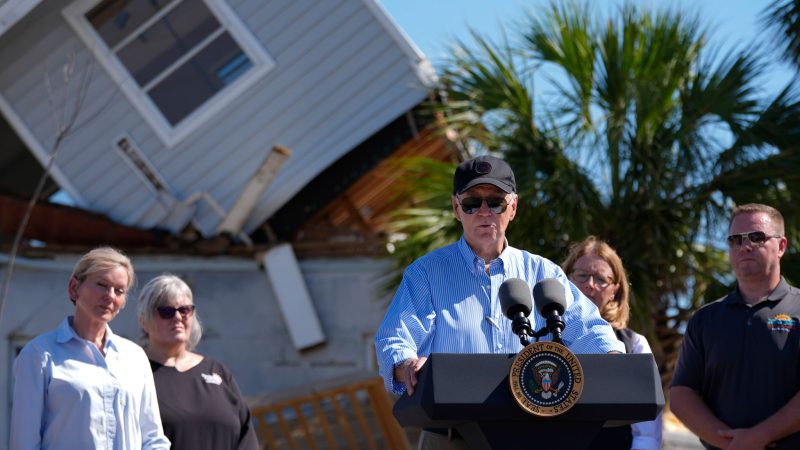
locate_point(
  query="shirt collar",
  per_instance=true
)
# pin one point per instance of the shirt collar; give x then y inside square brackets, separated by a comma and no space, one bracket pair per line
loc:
[66,332]
[475,263]
[780,291]
[776,295]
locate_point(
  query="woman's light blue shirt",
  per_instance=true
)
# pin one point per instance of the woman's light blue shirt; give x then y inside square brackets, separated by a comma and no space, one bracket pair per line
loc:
[68,395]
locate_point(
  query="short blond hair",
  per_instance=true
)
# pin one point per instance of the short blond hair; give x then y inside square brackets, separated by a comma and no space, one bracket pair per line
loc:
[751,208]
[616,312]
[100,259]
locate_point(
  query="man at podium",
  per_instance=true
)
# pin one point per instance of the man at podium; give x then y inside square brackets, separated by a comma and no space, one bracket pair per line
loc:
[448,301]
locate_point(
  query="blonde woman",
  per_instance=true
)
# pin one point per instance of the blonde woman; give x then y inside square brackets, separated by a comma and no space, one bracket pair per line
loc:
[201,406]
[80,385]
[596,269]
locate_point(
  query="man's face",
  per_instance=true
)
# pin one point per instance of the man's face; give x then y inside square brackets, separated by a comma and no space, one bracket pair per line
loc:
[485,228]
[756,261]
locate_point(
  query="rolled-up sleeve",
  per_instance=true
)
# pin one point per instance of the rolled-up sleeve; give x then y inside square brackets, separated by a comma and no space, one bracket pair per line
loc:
[406,328]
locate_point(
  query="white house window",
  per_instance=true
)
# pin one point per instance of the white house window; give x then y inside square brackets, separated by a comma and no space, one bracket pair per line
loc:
[181,59]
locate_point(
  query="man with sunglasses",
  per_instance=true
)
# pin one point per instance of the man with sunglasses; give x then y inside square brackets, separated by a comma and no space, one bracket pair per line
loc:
[737,379]
[448,301]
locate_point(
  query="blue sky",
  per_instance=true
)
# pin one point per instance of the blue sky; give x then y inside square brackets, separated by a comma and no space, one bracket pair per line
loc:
[433,24]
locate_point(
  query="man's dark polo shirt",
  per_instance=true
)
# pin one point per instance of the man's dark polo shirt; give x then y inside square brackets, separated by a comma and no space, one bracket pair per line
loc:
[744,361]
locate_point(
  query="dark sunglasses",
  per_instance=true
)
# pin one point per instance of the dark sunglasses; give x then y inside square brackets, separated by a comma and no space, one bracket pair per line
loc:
[471,205]
[755,238]
[168,312]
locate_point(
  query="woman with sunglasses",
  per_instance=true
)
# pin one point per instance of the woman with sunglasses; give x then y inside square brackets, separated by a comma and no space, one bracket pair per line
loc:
[596,269]
[201,406]
[81,386]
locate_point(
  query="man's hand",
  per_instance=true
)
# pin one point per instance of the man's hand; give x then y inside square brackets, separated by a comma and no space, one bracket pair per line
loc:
[744,439]
[406,372]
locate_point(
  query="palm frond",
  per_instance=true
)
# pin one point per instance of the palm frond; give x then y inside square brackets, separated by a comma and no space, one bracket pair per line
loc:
[782,19]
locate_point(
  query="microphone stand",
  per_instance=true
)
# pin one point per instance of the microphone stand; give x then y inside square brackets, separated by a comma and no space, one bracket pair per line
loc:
[553,325]
[521,326]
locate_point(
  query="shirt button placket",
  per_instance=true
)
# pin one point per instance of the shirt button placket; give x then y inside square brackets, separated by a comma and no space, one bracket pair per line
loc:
[494,307]
[110,397]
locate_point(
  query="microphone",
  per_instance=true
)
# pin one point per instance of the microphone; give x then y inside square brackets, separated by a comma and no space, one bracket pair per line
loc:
[515,299]
[550,302]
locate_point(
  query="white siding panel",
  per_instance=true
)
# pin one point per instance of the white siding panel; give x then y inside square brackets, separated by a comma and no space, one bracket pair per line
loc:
[271,19]
[339,77]
[282,31]
[28,43]
[98,105]
[268,99]
[247,9]
[51,65]
[41,108]
[115,188]
[292,298]
[97,168]
[121,189]
[294,95]
[94,148]
[284,189]
[86,156]
[305,106]
[249,151]
[147,140]
[342,95]
[116,179]
[88,144]
[110,179]
[347,136]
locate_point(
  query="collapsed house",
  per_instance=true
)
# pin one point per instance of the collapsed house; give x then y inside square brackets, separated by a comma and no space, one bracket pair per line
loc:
[247,146]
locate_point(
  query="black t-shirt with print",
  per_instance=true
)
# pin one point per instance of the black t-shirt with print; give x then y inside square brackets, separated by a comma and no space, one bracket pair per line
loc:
[202,408]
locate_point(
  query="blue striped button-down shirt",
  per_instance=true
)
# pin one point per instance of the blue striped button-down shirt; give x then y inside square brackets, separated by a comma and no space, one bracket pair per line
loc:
[447,303]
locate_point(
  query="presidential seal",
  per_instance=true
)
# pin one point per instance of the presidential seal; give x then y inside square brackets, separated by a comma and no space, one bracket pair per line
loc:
[546,379]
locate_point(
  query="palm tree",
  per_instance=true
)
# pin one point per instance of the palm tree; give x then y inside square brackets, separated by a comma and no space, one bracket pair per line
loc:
[782,18]
[650,137]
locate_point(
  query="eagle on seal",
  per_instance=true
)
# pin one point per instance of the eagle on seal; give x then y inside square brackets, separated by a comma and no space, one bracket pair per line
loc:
[546,375]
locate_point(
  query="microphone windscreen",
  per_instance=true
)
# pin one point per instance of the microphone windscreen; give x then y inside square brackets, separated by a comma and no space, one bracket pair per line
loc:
[549,296]
[515,297]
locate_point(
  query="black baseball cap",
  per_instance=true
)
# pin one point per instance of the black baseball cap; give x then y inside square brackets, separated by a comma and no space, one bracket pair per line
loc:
[484,170]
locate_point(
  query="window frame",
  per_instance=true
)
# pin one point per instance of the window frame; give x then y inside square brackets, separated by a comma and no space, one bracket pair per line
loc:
[75,15]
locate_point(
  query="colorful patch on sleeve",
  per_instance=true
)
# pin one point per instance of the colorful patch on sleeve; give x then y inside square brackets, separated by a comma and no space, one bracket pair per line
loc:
[782,323]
